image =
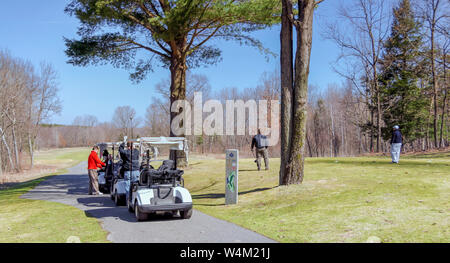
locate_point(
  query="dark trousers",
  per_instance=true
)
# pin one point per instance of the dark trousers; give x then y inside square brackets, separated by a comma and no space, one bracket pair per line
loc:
[264,153]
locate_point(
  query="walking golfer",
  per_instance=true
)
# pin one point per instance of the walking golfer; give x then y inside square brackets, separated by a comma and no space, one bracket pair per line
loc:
[260,142]
[396,144]
[93,164]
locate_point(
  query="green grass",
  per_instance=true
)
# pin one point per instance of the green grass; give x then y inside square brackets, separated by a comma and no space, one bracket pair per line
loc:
[340,200]
[66,156]
[23,220]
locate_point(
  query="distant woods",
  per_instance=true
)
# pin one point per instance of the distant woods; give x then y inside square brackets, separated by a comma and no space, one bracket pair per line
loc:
[86,130]
[28,98]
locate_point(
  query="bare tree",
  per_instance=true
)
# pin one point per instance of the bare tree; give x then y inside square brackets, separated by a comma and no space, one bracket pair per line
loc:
[27,98]
[364,25]
[125,119]
[158,112]
[434,14]
[445,88]
[43,102]
[157,118]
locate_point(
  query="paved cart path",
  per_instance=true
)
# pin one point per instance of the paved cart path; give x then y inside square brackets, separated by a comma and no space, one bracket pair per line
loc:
[72,189]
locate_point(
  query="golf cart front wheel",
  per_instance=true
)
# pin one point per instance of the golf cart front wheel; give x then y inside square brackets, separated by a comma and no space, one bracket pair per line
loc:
[117,199]
[139,215]
[186,214]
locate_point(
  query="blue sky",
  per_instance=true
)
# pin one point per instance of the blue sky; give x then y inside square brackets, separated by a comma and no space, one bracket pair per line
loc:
[34,30]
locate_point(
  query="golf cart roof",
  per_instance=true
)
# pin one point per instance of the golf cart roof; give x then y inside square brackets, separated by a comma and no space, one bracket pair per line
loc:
[175,143]
[109,144]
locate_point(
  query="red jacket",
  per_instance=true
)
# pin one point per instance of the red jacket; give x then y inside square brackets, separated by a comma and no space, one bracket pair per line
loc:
[94,162]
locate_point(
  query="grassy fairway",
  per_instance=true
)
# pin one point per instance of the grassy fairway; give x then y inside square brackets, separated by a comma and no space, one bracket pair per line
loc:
[23,220]
[340,200]
[66,157]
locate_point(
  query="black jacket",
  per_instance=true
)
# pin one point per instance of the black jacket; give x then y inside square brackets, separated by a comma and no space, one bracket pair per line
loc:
[125,155]
[396,137]
[260,141]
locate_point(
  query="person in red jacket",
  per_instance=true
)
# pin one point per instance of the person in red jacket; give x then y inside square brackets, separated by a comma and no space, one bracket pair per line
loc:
[93,164]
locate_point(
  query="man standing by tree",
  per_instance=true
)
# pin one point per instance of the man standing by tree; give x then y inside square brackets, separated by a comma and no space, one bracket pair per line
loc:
[396,144]
[260,141]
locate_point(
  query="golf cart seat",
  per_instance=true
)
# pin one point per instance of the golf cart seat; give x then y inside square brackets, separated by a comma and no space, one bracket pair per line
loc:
[165,174]
[145,166]
[167,165]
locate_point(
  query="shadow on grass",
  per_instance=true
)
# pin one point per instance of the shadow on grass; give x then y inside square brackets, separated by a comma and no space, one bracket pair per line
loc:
[431,156]
[211,205]
[205,187]
[22,186]
[222,195]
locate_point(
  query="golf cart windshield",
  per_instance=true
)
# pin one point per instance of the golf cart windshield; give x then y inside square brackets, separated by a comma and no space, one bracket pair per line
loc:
[151,145]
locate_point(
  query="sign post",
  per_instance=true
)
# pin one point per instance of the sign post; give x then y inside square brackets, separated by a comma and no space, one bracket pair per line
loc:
[232,171]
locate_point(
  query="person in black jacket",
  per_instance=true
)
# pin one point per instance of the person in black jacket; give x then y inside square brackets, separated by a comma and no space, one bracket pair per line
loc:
[130,165]
[396,144]
[260,142]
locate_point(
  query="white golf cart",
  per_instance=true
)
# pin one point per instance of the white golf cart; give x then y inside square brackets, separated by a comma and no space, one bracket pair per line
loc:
[162,189]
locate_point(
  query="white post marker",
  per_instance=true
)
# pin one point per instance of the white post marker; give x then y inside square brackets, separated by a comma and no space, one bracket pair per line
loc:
[231,176]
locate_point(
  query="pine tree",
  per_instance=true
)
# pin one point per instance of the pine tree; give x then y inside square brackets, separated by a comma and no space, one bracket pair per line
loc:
[402,67]
[176,34]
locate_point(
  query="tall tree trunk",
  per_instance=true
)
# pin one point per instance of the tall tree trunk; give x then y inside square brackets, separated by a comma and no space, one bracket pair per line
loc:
[16,150]
[360,141]
[435,90]
[428,124]
[444,105]
[177,92]
[294,169]
[31,148]
[376,85]
[1,165]
[8,151]
[444,102]
[308,142]
[332,149]
[371,129]
[378,119]
[287,81]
